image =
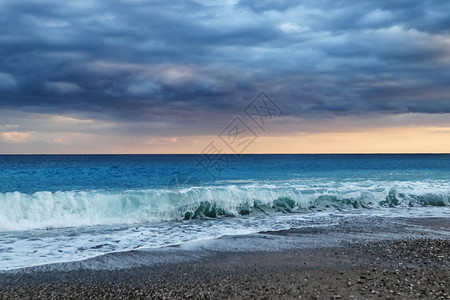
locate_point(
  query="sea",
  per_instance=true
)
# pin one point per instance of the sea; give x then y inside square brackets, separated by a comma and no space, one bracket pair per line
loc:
[65,208]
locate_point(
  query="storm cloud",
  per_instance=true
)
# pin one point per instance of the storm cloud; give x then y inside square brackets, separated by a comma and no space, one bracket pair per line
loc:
[189,66]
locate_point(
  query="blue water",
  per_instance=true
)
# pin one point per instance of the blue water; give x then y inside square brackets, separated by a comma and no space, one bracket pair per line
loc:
[69,207]
[32,173]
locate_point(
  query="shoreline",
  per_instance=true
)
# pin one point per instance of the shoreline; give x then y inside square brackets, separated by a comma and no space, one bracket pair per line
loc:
[364,260]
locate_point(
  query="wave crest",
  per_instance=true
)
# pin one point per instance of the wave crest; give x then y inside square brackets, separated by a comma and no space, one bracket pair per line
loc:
[20,211]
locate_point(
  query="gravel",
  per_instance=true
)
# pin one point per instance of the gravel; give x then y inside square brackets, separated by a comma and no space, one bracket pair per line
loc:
[401,269]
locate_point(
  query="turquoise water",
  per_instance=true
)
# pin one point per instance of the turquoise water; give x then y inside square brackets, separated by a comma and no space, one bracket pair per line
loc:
[63,208]
[33,173]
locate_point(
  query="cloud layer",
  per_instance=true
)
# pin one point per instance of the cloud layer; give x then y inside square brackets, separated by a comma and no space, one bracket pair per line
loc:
[187,67]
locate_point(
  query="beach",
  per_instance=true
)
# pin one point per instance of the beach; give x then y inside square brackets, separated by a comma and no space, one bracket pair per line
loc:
[224,149]
[366,258]
[273,226]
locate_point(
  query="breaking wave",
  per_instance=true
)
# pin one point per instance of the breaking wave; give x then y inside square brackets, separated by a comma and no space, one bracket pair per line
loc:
[44,209]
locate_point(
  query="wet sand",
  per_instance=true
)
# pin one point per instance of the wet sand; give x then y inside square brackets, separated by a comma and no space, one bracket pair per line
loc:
[399,268]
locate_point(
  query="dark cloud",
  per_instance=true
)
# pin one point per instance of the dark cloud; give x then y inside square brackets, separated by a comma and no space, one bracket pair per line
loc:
[268,5]
[192,63]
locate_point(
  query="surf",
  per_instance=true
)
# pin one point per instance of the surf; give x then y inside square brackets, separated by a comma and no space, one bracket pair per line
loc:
[47,210]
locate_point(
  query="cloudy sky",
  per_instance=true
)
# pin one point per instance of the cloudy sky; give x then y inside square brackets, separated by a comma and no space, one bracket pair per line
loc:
[163,76]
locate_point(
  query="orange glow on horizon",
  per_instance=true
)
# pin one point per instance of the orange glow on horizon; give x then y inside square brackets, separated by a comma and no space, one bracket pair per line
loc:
[386,140]
[390,140]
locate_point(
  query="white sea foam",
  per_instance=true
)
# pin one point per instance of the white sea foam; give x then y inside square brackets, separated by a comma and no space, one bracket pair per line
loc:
[39,247]
[44,210]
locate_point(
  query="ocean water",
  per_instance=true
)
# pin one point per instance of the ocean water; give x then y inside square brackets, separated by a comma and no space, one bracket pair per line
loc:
[72,207]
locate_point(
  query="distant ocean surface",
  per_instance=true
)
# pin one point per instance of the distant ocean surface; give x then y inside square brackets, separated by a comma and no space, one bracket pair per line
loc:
[58,208]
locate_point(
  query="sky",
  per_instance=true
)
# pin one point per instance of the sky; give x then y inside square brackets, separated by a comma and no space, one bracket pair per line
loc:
[339,76]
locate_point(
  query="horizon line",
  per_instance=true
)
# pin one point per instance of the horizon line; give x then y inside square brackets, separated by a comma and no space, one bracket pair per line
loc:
[325,153]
